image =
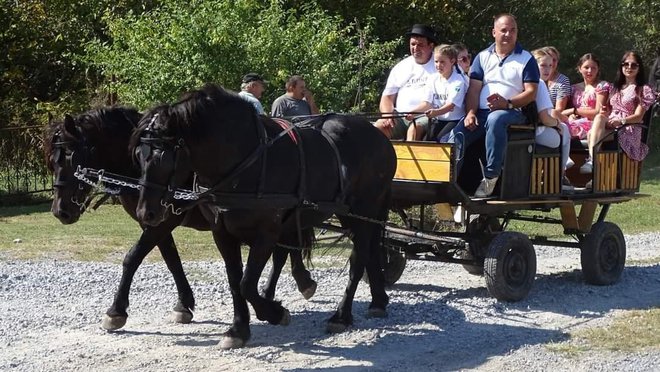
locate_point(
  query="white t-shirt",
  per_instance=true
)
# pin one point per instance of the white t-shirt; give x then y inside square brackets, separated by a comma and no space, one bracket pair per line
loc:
[543,102]
[440,91]
[407,80]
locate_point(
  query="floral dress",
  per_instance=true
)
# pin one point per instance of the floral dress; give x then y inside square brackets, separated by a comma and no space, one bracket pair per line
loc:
[624,103]
[580,97]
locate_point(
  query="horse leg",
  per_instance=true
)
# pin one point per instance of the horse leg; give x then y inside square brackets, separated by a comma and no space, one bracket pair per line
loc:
[182,312]
[365,237]
[265,309]
[230,249]
[116,315]
[302,276]
[279,259]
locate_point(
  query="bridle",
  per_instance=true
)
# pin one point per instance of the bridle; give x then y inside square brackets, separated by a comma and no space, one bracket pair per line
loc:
[199,194]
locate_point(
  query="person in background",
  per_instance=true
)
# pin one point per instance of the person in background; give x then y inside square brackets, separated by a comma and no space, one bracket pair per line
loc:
[503,78]
[445,95]
[297,101]
[463,59]
[587,97]
[558,84]
[545,60]
[405,87]
[629,99]
[252,87]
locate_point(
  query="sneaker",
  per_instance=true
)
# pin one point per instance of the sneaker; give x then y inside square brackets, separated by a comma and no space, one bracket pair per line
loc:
[566,184]
[486,187]
[569,163]
[587,167]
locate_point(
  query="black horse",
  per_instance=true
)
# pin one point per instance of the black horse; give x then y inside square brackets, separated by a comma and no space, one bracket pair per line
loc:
[99,139]
[264,180]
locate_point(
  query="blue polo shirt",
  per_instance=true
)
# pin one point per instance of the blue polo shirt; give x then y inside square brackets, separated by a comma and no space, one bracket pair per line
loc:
[505,76]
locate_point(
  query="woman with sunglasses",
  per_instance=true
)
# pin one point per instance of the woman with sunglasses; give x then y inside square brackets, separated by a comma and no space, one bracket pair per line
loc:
[629,99]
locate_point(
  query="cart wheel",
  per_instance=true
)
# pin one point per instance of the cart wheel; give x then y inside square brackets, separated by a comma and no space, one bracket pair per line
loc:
[603,254]
[510,266]
[394,263]
[483,227]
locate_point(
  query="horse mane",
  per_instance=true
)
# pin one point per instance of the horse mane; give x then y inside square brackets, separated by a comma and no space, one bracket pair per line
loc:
[189,115]
[103,121]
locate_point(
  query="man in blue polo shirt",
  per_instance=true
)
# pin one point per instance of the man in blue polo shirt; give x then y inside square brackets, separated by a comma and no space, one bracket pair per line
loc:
[503,78]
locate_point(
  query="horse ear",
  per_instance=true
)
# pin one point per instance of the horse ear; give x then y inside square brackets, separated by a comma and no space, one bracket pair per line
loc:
[69,124]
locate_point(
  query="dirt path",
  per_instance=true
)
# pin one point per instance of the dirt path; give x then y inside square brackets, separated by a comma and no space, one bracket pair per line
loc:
[440,318]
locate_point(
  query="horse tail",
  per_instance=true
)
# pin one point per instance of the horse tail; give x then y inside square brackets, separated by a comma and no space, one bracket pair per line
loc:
[308,238]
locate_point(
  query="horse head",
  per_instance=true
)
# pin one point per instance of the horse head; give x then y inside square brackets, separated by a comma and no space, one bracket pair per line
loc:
[95,139]
[164,160]
[66,150]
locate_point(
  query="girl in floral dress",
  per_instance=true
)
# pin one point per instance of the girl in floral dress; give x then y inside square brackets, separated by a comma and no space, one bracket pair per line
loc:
[587,97]
[629,99]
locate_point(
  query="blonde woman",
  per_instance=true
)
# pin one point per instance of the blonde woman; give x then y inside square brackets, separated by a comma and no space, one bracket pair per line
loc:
[553,132]
[558,84]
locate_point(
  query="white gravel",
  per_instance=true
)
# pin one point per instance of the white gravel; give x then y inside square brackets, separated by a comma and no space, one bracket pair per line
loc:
[440,318]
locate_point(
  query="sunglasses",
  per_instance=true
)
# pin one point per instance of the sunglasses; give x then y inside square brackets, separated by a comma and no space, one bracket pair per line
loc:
[631,65]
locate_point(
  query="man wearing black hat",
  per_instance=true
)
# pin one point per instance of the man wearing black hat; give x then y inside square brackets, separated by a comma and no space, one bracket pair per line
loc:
[405,86]
[252,87]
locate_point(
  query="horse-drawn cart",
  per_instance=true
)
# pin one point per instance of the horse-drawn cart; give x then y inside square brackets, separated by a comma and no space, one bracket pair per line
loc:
[427,181]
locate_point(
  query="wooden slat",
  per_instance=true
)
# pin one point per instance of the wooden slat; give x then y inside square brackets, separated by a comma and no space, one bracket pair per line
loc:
[423,170]
[423,150]
[533,186]
[586,217]
[568,216]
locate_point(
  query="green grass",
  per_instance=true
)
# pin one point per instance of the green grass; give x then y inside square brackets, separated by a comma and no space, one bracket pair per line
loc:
[108,233]
[630,331]
[103,235]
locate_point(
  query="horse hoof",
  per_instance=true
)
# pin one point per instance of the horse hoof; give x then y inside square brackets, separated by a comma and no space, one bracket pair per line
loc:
[182,317]
[335,327]
[286,318]
[229,342]
[112,323]
[309,292]
[377,313]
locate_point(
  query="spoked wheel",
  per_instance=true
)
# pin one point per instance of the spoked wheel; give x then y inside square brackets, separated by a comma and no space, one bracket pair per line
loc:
[510,266]
[483,229]
[603,254]
[393,266]
[394,263]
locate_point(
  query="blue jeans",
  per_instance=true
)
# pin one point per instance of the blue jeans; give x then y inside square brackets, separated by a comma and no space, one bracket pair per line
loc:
[493,125]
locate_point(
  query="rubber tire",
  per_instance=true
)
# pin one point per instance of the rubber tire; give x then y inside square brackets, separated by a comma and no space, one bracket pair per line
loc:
[392,268]
[603,254]
[510,266]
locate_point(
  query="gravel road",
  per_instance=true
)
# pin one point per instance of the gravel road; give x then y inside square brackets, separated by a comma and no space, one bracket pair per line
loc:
[440,318]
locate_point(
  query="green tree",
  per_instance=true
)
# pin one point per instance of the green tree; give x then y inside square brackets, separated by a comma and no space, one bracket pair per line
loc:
[155,56]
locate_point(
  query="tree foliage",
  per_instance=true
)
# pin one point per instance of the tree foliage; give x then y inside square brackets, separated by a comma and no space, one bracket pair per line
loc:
[66,55]
[156,55]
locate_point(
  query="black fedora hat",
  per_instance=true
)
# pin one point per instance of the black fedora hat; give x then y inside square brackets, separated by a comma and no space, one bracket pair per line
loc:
[423,30]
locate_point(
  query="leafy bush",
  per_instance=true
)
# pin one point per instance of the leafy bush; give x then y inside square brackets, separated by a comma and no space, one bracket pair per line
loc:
[154,56]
